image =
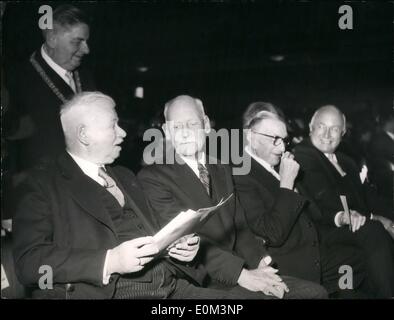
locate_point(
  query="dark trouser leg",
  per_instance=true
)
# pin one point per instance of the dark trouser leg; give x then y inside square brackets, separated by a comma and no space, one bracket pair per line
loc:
[186,290]
[299,289]
[380,257]
[378,252]
[303,289]
[343,270]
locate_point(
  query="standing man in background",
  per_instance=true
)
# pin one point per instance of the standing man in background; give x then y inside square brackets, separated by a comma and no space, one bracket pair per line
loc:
[39,87]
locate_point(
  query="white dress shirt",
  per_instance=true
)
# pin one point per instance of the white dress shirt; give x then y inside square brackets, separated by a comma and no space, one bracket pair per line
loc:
[91,170]
[58,69]
[193,163]
[262,162]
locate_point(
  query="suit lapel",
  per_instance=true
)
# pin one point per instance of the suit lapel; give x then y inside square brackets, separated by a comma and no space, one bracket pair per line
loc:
[191,185]
[84,190]
[332,173]
[137,201]
[221,189]
[261,174]
[56,79]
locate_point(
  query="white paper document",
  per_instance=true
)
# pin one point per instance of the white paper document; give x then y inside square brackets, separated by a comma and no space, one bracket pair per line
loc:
[186,222]
[4,280]
[346,209]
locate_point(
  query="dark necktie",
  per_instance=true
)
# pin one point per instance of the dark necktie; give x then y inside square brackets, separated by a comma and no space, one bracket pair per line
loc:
[204,178]
[111,186]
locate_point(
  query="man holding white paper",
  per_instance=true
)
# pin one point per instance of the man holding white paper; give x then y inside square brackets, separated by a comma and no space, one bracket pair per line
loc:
[234,258]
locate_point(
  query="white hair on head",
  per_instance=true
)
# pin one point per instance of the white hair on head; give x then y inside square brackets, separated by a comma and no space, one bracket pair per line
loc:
[75,110]
[262,115]
[255,107]
[175,100]
[327,107]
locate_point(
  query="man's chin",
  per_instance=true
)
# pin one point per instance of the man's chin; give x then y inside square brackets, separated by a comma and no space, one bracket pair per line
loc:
[275,161]
[186,151]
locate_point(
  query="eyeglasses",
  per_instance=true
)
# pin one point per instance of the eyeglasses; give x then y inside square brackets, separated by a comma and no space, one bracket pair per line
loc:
[276,140]
[192,124]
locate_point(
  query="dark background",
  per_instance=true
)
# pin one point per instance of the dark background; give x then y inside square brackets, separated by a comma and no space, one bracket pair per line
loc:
[224,53]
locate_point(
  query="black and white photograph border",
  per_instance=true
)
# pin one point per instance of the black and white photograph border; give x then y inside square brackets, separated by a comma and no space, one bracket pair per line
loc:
[297,55]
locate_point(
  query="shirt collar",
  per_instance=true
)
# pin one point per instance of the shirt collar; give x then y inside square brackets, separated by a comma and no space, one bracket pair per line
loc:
[332,156]
[58,69]
[88,168]
[262,162]
[193,163]
[391,135]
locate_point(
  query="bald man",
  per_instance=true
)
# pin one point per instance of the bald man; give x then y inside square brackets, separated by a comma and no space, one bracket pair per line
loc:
[326,175]
[232,255]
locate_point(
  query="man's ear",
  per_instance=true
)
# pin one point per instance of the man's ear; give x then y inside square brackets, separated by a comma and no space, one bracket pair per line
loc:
[248,133]
[166,131]
[207,124]
[51,38]
[82,135]
[310,127]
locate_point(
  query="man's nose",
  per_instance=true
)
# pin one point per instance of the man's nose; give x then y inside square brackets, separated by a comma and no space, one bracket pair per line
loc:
[326,133]
[185,132]
[85,47]
[282,146]
[121,133]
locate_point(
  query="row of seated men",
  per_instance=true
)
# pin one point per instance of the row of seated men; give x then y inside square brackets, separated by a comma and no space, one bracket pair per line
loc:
[90,225]
[284,234]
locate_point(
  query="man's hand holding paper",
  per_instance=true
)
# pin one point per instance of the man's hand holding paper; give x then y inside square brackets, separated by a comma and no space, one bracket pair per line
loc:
[186,222]
[185,249]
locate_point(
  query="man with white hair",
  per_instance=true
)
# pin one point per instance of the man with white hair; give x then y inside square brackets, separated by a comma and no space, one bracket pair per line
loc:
[327,176]
[87,227]
[232,255]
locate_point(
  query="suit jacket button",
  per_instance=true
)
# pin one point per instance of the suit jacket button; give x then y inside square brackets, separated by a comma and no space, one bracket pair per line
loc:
[317,262]
[314,243]
[70,287]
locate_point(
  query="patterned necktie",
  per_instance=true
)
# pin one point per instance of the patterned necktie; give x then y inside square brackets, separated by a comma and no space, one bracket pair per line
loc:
[71,82]
[334,161]
[204,178]
[111,186]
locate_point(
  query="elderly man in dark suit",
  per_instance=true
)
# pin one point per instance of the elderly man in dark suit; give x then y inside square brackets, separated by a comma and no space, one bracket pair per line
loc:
[327,175]
[87,226]
[229,251]
[40,86]
[276,211]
